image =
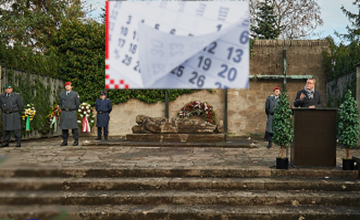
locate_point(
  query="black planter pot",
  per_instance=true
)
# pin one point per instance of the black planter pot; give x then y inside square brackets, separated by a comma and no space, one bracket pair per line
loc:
[282,163]
[348,164]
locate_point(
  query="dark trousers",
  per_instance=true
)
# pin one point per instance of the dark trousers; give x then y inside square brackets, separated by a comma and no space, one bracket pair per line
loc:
[17,135]
[75,133]
[106,131]
[268,136]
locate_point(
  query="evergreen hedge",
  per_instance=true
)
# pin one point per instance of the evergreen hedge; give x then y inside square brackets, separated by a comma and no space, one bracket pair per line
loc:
[282,123]
[80,51]
[348,125]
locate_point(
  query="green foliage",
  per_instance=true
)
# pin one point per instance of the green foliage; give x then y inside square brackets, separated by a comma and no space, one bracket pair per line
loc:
[266,21]
[32,90]
[251,44]
[35,21]
[102,16]
[341,59]
[353,33]
[80,50]
[282,122]
[146,95]
[24,59]
[348,125]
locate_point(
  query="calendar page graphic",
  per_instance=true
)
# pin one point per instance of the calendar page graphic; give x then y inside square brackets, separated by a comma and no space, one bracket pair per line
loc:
[177,45]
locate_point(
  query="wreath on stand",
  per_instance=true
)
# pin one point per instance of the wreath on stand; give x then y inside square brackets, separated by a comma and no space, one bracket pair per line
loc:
[28,115]
[85,117]
[54,116]
[198,108]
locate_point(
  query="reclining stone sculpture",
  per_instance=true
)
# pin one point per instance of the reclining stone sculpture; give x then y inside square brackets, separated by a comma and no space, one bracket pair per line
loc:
[173,125]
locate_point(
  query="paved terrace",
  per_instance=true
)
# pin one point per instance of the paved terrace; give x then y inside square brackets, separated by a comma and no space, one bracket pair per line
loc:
[48,153]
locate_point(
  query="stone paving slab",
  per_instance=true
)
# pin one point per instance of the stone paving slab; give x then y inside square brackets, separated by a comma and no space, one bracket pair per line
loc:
[48,153]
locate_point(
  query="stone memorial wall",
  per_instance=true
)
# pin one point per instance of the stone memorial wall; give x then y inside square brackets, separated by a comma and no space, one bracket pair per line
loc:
[246,113]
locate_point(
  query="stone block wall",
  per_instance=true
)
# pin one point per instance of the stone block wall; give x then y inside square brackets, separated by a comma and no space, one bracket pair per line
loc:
[246,113]
[246,108]
[123,115]
[335,88]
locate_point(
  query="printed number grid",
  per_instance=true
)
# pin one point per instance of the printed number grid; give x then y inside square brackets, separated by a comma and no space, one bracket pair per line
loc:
[224,63]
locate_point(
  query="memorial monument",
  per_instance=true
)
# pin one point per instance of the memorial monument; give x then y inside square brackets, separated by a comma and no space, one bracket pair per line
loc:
[174,129]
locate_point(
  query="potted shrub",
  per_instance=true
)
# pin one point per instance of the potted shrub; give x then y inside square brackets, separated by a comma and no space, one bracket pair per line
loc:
[282,128]
[348,128]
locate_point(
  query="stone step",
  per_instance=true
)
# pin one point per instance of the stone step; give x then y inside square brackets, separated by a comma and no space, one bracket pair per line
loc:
[188,183]
[179,212]
[200,143]
[30,184]
[177,172]
[181,197]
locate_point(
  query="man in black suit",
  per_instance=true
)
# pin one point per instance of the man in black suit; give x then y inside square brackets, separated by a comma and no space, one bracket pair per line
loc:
[309,97]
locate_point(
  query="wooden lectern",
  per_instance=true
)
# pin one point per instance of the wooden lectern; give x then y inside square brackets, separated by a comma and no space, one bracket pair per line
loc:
[314,138]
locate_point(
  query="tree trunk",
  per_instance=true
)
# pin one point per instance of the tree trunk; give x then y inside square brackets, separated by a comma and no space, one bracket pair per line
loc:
[348,153]
[282,151]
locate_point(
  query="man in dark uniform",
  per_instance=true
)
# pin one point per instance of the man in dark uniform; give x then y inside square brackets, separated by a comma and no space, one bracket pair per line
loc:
[11,106]
[309,97]
[270,103]
[103,108]
[69,103]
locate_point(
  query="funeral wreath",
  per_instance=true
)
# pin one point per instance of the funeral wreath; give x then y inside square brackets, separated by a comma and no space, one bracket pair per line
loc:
[198,108]
[85,117]
[54,116]
[28,115]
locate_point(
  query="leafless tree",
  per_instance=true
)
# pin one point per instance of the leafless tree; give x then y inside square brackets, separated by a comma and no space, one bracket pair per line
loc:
[296,18]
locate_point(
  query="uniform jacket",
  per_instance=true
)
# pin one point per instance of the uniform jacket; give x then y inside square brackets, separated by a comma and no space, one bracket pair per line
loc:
[270,103]
[13,104]
[104,107]
[316,100]
[71,102]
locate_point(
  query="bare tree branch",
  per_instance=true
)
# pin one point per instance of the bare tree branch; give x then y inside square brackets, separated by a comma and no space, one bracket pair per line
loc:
[296,18]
